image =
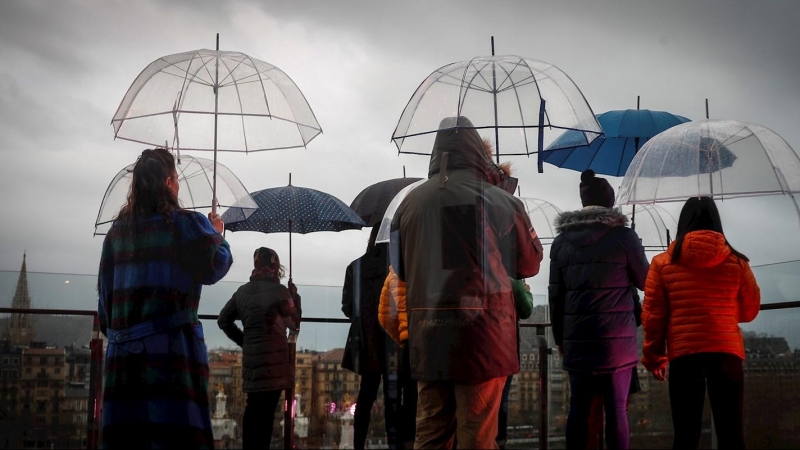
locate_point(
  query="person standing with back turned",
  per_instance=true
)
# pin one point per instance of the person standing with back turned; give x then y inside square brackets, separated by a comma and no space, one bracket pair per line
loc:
[697,294]
[155,259]
[457,240]
[267,310]
[596,266]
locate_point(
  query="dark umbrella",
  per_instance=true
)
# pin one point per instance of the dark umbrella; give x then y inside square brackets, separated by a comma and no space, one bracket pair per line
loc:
[295,209]
[372,202]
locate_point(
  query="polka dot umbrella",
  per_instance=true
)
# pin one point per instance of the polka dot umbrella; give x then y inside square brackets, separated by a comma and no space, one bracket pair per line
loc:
[292,209]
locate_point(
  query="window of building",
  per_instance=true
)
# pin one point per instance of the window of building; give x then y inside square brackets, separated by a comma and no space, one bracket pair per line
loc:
[15,361]
[28,370]
[43,360]
[58,371]
[5,360]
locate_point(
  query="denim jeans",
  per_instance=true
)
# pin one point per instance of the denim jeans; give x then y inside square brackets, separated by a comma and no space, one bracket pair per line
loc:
[614,388]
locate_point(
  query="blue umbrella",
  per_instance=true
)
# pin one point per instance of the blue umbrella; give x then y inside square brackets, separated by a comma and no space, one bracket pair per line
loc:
[295,209]
[625,132]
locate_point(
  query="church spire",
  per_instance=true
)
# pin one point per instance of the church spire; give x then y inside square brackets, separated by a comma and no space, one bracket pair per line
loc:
[20,331]
[22,298]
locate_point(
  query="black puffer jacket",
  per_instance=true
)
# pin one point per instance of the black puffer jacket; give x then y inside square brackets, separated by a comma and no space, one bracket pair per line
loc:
[266,310]
[596,265]
[457,240]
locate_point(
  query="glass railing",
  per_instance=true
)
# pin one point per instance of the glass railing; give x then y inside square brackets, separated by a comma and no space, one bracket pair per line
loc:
[47,387]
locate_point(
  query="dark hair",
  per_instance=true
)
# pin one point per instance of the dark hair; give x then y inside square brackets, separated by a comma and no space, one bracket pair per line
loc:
[699,213]
[149,193]
[267,257]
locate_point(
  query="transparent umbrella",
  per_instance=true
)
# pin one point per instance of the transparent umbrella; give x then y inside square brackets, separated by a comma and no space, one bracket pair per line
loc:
[542,214]
[515,100]
[213,100]
[717,158]
[195,177]
[655,226]
[386,222]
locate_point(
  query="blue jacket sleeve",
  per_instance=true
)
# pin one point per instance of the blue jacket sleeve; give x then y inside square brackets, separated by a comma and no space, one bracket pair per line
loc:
[205,252]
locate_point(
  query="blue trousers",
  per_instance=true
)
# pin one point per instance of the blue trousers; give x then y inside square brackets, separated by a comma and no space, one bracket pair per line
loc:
[614,388]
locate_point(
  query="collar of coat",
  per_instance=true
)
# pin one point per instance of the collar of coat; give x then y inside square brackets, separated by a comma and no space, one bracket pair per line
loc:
[611,217]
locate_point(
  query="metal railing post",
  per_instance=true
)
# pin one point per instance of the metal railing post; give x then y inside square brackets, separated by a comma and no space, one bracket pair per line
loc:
[544,351]
[288,404]
[93,422]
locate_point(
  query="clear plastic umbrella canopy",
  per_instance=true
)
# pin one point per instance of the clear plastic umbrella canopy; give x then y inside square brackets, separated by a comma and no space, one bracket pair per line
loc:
[510,99]
[174,101]
[717,158]
[542,214]
[195,177]
[655,226]
[386,222]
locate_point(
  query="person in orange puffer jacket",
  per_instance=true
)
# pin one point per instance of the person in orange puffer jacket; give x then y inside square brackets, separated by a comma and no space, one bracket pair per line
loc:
[394,320]
[696,295]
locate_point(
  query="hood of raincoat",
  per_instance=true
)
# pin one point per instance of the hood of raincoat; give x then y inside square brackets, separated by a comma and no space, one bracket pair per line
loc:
[585,226]
[702,249]
[465,149]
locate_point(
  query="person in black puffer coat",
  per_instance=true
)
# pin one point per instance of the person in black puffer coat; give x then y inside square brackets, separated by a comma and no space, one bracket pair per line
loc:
[267,309]
[369,349]
[596,265]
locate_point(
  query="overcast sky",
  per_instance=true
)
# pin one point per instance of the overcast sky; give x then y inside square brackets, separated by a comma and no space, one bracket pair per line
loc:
[65,66]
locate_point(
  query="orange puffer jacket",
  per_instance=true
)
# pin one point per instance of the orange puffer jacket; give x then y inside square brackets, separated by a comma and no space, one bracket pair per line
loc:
[392,309]
[695,305]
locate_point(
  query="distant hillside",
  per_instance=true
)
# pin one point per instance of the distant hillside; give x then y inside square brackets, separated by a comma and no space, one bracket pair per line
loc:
[59,331]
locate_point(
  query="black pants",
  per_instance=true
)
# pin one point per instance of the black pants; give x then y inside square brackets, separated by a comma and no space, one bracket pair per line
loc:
[259,414]
[688,378]
[367,394]
[407,423]
[502,415]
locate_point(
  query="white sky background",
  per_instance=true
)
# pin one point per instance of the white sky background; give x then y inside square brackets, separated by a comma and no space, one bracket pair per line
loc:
[65,66]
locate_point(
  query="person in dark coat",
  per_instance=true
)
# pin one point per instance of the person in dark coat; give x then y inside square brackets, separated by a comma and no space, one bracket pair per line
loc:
[368,347]
[267,309]
[596,265]
[457,241]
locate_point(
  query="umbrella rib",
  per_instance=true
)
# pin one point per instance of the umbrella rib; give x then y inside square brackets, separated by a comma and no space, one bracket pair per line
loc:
[188,188]
[205,66]
[462,99]
[538,90]
[193,80]
[266,100]
[519,105]
[230,72]
[599,147]
[239,98]
[183,96]
[194,77]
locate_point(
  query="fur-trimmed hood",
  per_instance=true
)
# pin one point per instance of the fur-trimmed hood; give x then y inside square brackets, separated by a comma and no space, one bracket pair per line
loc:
[586,225]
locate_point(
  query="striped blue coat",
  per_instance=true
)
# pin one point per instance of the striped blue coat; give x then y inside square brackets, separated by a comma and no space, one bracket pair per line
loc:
[156,392]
